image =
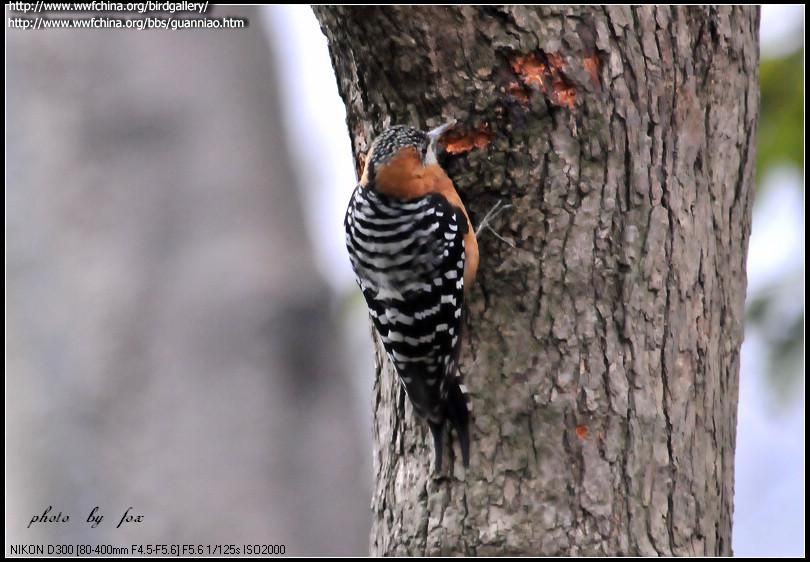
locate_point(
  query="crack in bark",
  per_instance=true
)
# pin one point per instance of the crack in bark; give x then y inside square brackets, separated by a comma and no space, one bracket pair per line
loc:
[531,435]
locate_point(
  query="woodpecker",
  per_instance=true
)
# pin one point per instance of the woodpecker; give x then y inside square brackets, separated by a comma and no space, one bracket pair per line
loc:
[415,253]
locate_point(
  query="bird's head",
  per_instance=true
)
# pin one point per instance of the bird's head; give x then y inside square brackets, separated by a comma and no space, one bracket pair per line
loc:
[400,158]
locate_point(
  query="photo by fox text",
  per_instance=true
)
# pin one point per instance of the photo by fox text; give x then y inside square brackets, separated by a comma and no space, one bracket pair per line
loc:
[94,519]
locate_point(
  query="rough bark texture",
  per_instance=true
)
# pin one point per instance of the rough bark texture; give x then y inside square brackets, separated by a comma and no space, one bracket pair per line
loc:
[603,352]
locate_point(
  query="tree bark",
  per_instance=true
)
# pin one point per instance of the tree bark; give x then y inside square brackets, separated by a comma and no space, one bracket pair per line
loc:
[602,354]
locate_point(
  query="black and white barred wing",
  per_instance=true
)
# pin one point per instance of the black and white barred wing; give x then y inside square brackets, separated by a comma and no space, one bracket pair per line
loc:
[409,260]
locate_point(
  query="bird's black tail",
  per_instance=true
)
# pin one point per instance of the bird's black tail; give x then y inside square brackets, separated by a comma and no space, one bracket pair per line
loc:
[458,415]
[437,430]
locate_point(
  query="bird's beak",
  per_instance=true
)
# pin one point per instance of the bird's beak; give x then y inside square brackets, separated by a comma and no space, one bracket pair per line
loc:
[436,133]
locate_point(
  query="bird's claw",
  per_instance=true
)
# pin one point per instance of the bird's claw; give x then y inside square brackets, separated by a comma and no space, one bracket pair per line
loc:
[493,213]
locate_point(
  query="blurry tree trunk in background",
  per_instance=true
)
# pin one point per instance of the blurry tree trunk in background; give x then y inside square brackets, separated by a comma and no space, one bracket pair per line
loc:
[603,353]
[169,341]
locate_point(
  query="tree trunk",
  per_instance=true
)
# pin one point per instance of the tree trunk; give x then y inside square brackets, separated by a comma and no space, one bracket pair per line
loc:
[602,354]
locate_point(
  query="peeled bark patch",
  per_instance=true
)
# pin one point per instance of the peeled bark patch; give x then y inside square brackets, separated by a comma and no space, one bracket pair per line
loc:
[546,77]
[464,141]
[592,66]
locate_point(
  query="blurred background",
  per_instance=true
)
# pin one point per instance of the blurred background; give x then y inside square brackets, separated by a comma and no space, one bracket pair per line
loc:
[183,333]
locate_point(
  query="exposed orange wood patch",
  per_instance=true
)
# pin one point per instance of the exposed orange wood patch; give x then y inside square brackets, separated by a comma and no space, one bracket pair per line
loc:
[564,94]
[592,66]
[544,76]
[529,69]
[517,91]
[582,431]
[457,142]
